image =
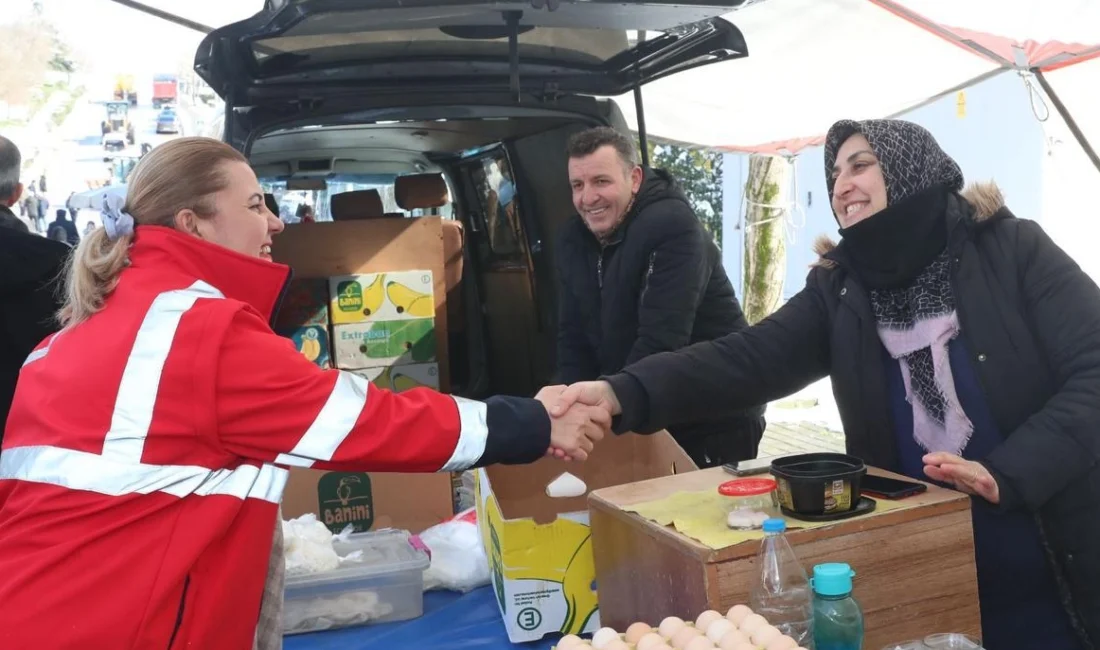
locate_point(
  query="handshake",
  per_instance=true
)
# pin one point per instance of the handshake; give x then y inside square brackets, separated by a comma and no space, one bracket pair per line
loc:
[580,416]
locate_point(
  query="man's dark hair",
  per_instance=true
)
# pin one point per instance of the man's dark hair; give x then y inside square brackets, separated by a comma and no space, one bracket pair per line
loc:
[61,214]
[10,162]
[587,142]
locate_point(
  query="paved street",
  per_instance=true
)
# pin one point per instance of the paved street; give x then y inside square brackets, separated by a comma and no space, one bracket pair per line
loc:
[72,155]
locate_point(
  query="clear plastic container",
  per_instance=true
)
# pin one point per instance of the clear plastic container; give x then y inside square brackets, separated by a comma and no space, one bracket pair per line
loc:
[912,644]
[749,501]
[952,641]
[781,593]
[750,494]
[384,583]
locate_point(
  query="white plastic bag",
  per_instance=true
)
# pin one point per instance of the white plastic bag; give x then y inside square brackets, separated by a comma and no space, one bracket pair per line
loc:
[459,562]
[307,546]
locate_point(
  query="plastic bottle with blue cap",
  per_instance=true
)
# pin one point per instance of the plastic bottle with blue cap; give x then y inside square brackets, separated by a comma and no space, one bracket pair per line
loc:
[838,618]
[782,593]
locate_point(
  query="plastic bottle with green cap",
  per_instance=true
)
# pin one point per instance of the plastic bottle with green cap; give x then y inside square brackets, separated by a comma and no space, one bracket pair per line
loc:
[838,619]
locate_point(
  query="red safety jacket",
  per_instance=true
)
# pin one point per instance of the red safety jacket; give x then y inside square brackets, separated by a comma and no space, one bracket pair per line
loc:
[147,449]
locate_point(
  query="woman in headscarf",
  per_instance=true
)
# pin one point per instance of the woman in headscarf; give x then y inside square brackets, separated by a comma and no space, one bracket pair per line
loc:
[963,346]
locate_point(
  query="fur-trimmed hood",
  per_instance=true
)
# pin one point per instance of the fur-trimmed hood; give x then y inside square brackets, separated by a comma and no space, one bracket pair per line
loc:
[985,200]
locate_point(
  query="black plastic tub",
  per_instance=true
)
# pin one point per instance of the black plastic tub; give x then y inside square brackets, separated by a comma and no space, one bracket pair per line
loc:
[818,484]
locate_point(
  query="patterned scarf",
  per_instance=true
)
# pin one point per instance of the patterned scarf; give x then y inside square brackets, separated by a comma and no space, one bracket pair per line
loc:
[900,254]
[915,324]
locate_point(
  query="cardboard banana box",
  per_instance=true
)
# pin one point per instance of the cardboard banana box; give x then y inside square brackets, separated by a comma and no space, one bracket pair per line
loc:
[403,377]
[374,297]
[384,343]
[313,342]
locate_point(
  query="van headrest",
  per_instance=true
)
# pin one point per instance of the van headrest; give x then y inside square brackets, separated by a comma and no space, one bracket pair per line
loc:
[420,191]
[271,203]
[360,204]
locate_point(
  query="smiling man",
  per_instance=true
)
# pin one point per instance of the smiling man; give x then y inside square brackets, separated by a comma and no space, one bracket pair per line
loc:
[639,275]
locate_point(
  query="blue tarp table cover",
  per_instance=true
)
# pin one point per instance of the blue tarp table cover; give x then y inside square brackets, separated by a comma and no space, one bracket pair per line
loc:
[450,620]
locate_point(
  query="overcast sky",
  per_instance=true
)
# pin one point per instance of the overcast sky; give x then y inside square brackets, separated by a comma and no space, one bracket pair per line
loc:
[119,39]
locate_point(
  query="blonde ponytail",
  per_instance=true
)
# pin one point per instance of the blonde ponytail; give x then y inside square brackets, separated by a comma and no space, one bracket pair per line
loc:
[181,174]
[92,274]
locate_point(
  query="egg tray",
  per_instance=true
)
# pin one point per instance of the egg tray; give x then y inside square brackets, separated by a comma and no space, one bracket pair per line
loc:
[739,629]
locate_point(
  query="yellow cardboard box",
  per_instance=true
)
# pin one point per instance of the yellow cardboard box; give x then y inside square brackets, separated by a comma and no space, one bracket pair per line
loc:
[539,548]
[399,378]
[390,296]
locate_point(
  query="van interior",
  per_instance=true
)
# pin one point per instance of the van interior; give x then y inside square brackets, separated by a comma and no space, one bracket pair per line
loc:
[398,109]
[501,188]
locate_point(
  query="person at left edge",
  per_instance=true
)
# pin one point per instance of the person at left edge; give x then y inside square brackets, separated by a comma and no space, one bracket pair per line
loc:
[142,516]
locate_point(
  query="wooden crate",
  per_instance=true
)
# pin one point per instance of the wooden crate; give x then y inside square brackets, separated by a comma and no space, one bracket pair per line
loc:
[914,565]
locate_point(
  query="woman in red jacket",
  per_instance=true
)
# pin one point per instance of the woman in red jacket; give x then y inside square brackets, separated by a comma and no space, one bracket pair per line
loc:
[140,514]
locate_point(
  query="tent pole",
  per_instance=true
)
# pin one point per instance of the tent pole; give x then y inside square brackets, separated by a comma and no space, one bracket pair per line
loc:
[639,111]
[1070,122]
[164,15]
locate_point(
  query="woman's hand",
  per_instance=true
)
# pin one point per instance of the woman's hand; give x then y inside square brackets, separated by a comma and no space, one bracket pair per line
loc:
[966,475]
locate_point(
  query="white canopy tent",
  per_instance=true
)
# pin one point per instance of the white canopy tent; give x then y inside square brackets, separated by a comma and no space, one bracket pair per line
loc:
[811,63]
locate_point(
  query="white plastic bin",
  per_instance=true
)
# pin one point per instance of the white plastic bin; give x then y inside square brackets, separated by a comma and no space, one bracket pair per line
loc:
[385,584]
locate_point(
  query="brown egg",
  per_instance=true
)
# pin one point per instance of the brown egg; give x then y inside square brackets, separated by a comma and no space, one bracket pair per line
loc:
[782,643]
[744,646]
[699,643]
[637,631]
[765,635]
[684,636]
[670,626]
[752,623]
[738,613]
[732,640]
[570,641]
[706,618]
[617,644]
[650,641]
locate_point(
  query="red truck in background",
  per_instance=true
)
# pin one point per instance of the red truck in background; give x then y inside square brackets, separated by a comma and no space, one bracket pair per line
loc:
[165,89]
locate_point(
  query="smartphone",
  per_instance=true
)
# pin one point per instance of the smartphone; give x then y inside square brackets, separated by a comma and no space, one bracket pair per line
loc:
[750,467]
[890,488]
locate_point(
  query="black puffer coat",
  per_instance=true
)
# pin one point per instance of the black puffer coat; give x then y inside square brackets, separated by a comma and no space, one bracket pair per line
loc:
[29,296]
[1029,316]
[658,285]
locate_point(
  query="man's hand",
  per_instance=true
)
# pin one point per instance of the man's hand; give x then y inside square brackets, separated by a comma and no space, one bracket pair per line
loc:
[590,393]
[966,475]
[574,432]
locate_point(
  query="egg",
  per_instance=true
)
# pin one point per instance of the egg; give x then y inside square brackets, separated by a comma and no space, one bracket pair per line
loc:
[738,613]
[603,636]
[699,643]
[570,641]
[732,640]
[684,636]
[782,643]
[617,644]
[706,618]
[670,626]
[745,645]
[752,623]
[765,634]
[718,629]
[637,631]
[650,641]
